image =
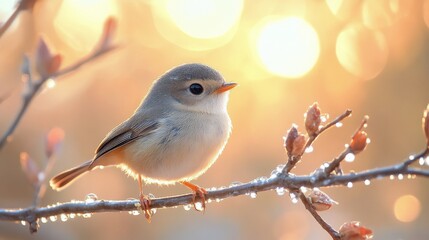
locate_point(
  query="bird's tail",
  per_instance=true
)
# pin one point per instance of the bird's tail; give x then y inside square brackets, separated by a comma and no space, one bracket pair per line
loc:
[61,180]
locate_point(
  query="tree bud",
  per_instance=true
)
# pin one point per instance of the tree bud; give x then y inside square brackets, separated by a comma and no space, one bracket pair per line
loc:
[353,231]
[320,200]
[359,142]
[312,119]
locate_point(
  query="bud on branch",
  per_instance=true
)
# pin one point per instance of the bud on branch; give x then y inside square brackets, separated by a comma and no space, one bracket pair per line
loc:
[312,119]
[46,62]
[353,231]
[294,142]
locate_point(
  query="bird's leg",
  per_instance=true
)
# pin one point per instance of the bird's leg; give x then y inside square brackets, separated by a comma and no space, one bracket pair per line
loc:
[198,192]
[144,201]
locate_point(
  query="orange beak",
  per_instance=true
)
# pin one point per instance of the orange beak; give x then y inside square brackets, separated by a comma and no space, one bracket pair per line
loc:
[225,87]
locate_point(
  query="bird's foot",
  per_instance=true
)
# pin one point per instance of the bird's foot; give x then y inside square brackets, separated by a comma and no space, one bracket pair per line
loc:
[198,196]
[145,205]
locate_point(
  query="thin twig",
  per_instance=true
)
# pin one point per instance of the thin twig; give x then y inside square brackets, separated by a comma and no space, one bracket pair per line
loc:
[293,161]
[37,85]
[334,234]
[22,5]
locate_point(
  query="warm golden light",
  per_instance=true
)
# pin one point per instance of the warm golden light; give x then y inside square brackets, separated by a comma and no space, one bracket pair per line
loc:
[79,22]
[407,208]
[6,9]
[343,9]
[426,12]
[205,18]
[361,51]
[288,47]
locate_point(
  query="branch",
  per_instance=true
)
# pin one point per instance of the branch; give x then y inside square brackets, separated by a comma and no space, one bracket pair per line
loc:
[22,5]
[276,181]
[33,87]
[294,159]
[334,234]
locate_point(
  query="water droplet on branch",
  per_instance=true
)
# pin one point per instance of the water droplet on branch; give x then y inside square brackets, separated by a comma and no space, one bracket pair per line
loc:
[90,198]
[253,195]
[187,207]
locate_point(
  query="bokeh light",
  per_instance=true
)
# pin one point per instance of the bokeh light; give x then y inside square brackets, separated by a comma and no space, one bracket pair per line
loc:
[361,51]
[197,25]
[343,9]
[201,18]
[78,21]
[384,13]
[6,9]
[407,208]
[288,47]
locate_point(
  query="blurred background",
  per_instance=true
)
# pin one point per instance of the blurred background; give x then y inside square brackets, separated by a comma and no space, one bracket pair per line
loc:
[371,56]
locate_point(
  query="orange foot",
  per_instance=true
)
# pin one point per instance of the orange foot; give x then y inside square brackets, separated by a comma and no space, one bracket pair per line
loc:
[145,204]
[198,192]
[144,201]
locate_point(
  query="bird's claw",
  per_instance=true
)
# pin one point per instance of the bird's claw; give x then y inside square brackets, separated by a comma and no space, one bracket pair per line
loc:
[145,205]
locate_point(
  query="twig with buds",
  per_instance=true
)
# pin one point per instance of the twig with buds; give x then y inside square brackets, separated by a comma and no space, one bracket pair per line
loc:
[48,67]
[306,188]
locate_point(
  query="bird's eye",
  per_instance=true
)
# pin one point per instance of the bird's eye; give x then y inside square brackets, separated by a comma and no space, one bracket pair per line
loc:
[196,89]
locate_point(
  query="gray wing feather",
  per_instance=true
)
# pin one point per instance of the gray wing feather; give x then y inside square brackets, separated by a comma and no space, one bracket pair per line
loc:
[124,134]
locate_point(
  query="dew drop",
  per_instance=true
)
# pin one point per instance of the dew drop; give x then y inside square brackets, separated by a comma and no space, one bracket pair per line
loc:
[43,220]
[411,157]
[134,212]
[253,195]
[367,182]
[23,223]
[64,217]
[153,211]
[280,191]
[262,179]
[400,176]
[90,198]
[86,215]
[72,215]
[338,124]
[305,189]
[280,167]
[350,157]
[50,83]
[53,218]
[199,206]
[218,200]
[324,118]
[187,207]
[422,161]
[309,149]
[346,145]
[427,160]
[293,198]
[365,125]
[392,177]
[368,140]
[349,184]
[234,184]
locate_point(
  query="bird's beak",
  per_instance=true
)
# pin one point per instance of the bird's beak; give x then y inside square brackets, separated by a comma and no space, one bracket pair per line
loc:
[225,87]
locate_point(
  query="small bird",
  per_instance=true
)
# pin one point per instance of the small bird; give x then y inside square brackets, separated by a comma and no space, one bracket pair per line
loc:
[174,136]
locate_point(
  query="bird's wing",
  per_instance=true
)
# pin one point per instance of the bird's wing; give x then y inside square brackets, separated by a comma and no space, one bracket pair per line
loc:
[123,134]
